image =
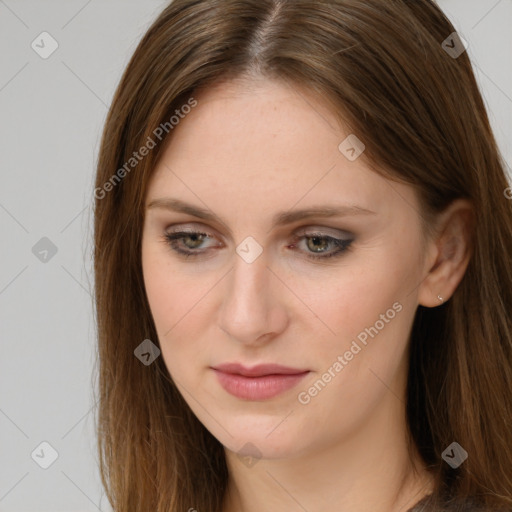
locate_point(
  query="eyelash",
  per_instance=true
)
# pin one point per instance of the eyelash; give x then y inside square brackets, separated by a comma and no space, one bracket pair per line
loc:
[341,245]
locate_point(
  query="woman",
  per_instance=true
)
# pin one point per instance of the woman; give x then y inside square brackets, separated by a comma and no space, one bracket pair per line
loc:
[301,207]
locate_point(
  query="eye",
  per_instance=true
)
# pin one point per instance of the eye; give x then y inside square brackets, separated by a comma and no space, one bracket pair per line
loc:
[192,240]
[316,244]
[188,243]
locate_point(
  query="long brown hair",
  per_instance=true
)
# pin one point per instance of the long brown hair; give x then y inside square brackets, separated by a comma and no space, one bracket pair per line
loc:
[386,71]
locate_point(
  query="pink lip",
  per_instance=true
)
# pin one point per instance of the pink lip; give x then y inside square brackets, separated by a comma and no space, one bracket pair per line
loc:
[259,382]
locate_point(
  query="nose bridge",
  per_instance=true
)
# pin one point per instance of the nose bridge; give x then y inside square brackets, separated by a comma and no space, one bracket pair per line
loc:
[249,284]
[250,298]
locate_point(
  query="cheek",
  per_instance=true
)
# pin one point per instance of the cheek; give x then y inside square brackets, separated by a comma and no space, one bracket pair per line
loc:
[364,316]
[163,292]
[177,302]
[160,291]
[343,304]
[378,282]
[168,290]
[359,370]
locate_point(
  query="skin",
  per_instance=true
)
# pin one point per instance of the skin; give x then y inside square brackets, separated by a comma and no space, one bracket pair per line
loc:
[248,150]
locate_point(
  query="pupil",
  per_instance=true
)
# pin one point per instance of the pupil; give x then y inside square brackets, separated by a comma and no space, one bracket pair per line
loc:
[316,238]
[194,238]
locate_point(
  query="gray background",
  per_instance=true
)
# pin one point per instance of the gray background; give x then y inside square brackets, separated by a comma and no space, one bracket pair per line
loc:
[52,112]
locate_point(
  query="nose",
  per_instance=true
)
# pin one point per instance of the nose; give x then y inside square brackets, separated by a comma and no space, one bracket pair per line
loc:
[253,311]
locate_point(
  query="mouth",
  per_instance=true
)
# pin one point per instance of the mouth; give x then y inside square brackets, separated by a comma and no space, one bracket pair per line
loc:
[259,382]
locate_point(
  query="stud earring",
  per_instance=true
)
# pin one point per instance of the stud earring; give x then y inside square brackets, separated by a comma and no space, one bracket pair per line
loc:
[440,298]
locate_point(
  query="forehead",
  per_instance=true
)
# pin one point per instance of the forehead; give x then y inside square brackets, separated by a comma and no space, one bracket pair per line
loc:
[255,145]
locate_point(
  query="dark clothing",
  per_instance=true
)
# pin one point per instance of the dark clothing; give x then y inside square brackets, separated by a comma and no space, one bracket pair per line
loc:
[468,505]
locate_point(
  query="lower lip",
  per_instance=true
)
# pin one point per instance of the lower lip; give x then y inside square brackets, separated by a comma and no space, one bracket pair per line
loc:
[257,388]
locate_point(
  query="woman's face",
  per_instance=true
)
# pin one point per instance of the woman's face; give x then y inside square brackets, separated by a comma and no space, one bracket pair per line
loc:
[330,297]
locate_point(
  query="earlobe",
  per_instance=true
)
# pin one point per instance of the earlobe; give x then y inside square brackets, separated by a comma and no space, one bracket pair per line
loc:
[452,255]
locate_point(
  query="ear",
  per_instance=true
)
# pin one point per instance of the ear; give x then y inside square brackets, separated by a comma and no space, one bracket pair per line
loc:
[448,254]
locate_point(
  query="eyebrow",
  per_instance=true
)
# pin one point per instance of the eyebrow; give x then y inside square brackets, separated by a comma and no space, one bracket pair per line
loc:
[279,219]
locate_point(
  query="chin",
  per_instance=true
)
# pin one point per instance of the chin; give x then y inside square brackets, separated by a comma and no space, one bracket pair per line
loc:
[263,442]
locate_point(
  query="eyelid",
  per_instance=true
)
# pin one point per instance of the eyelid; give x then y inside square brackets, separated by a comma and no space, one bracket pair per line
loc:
[186,226]
[190,230]
[303,230]
[179,228]
[323,231]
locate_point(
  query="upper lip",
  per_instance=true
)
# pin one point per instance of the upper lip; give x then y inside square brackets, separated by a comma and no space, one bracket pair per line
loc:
[258,370]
